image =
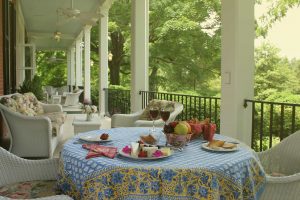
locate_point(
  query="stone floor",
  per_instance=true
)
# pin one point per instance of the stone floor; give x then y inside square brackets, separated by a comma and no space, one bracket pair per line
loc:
[68,130]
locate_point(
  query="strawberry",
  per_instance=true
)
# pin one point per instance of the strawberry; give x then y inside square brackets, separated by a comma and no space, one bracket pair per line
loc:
[143,154]
[173,124]
[104,136]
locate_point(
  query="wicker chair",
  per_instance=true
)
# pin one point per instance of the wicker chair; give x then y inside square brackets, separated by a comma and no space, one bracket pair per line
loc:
[14,169]
[133,120]
[283,163]
[72,98]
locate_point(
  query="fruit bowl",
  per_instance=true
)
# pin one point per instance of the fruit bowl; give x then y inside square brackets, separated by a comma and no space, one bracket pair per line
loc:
[177,140]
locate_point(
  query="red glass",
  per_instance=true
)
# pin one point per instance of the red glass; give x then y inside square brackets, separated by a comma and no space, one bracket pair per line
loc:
[165,114]
[153,113]
[209,131]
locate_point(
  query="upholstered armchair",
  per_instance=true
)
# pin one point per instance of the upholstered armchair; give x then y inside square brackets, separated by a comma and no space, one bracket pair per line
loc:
[28,179]
[72,98]
[282,166]
[141,118]
[33,127]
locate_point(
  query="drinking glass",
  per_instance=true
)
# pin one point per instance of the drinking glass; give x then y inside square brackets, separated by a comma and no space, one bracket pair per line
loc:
[165,114]
[153,114]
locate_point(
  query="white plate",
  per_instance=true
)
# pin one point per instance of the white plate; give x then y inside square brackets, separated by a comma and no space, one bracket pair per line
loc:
[217,149]
[141,158]
[93,138]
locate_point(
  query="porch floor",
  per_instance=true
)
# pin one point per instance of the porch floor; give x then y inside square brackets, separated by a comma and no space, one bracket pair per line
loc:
[68,131]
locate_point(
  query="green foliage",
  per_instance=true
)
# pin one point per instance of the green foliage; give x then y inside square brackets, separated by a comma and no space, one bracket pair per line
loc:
[277,10]
[273,74]
[33,86]
[52,67]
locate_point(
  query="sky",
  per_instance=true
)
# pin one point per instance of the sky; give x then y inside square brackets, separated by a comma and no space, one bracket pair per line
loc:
[284,34]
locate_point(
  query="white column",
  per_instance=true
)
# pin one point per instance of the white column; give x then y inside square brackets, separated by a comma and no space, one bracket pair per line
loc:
[237,69]
[139,52]
[78,61]
[69,66]
[87,62]
[80,81]
[72,67]
[103,64]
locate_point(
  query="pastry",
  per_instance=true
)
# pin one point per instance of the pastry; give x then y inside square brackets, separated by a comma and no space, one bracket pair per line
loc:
[149,139]
[135,149]
[216,143]
[166,151]
[229,146]
[150,150]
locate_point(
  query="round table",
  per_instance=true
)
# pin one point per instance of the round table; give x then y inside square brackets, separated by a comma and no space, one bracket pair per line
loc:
[193,173]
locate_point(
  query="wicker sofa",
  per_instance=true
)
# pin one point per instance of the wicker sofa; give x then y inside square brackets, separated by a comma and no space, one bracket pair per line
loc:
[142,119]
[34,127]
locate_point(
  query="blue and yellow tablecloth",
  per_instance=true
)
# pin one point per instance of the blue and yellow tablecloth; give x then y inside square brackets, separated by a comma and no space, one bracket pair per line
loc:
[191,174]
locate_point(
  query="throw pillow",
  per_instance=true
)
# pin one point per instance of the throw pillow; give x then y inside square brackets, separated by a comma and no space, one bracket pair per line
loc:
[9,102]
[30,190]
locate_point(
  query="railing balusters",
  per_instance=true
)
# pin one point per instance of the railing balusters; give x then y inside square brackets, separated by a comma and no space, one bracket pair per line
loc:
[210,108]
[271,125]
[204,106]
[293,118]
[261,125]
[253,125]
[281,122]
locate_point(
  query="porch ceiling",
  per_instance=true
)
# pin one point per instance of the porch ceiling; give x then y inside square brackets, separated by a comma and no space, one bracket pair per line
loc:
[43,18]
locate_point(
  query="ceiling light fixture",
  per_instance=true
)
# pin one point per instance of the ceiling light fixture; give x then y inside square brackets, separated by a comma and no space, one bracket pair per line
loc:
[57,36]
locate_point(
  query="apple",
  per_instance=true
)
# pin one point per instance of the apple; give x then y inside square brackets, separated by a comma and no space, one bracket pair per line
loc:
[181,129]
[188,125]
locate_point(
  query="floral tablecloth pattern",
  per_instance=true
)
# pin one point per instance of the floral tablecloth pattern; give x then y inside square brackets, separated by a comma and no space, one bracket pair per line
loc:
[191,174]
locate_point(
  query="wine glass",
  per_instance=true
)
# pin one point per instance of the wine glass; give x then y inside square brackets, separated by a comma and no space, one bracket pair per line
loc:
[153,115]
[165,114]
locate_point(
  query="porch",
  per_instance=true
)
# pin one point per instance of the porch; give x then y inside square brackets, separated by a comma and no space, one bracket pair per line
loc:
[71,31]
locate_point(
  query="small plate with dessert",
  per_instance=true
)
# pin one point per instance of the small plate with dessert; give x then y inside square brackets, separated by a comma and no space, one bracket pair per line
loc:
[219,146]
[104,137]
[142,151]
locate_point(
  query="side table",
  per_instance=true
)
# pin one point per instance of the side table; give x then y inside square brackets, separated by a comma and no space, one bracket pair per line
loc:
[81,125]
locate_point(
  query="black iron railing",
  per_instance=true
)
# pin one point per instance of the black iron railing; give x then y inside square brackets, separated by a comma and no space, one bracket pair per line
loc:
[117,101]
[272,122]
[193,106]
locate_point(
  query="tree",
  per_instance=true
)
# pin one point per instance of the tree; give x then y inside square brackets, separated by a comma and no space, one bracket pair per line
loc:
[181,47]
[52,66]
[272,74]
[276,12]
